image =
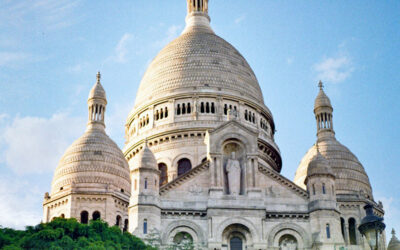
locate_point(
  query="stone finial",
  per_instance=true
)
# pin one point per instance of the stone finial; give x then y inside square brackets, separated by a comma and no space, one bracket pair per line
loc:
[98,76]
[393,232]
[320,85]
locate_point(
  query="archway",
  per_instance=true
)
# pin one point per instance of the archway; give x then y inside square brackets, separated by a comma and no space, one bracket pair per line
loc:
[163,173]
[288,242]
[84,217]
[237,237]
[184,166]
[96,215]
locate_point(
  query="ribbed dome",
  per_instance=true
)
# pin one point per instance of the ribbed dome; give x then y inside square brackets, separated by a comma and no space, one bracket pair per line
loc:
[394,243]
[350,174]
[198,61]
[322,100]
[319,166]
[146,159]
[93,160]
[97,90]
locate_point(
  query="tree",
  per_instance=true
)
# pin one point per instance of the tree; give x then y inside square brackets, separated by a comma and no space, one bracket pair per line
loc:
[69,234]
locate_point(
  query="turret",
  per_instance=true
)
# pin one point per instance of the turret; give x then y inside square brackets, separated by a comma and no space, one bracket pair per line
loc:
[144,211]
[324,216]
[394,243]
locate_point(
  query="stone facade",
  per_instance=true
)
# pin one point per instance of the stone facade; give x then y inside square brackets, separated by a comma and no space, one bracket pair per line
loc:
[204,167]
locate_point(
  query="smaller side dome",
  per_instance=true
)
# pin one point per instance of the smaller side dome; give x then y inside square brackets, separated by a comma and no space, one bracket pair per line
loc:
[146,159]
[322,99]
[318,166]
[97,92]
[394,243]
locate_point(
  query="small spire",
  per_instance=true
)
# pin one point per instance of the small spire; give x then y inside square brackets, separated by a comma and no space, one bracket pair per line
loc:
[320,85]
[98,76]
[393,232]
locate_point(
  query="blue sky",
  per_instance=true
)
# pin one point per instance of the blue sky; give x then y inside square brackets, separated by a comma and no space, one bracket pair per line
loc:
[50,51]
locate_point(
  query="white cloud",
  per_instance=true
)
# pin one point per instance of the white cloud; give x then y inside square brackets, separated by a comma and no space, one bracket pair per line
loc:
[240,19]
[334,69]
[77,68]
[20,204]
[51,14]
[35,144]
[12,58]
[121,49]
[171,33]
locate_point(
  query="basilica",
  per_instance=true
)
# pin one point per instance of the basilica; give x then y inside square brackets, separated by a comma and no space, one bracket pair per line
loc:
[200,165]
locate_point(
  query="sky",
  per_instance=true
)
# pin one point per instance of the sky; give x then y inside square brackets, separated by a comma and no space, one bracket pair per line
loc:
[51,50]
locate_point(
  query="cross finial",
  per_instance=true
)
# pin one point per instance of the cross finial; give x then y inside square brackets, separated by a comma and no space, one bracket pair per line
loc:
[320,85]
[98,76]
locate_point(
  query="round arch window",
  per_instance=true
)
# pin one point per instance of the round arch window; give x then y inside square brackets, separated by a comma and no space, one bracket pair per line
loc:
[183,239]
[184,166]
[163,173]
[288,242]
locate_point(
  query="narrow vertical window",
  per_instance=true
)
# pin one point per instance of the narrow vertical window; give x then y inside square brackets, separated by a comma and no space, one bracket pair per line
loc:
[162,114]
[323,188]
[166,112]
[183,109]
[145,226]
[145,183]
[178,109]
[245,114]
[189,109]
[328,231]
[313,189]
[202,107]
[207,107]
[212,108]
[225,109]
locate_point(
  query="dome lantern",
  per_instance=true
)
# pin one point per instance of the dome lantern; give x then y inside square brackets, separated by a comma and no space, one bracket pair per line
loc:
[97,102]
[323,114]
[197,16]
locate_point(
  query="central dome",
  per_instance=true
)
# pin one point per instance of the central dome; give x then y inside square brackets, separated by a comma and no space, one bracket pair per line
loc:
[198,61]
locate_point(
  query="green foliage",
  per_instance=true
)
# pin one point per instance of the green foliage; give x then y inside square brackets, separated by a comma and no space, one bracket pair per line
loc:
[70,234]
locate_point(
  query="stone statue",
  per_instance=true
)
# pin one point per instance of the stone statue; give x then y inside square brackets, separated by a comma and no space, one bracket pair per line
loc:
[233,172]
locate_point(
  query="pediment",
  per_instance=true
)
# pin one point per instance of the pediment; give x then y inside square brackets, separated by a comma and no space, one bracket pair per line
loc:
[194,182]
[281,182]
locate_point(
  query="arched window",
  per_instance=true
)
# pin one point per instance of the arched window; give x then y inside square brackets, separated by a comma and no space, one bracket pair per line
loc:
[204,159]
[145,183]
[157,116]
[207,107]
[352,231]
[245,115]
[189,109]
[236,243]
[62,216]
[84,217]
[343,227]
[162,114]
[96,215]
[225,109]
[164,173]
[178,109]
[183,238]
[287,241]
[254,118]
[118,220]
[166,112]
[145,226]
[126,223]
[183,109]
[323,188]
[328,231]
[212,108]
[184,166]
[202,107]
[313,189]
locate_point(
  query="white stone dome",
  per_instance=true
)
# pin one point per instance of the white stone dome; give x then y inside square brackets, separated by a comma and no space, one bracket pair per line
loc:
[350,174]
[92,160]
[318,165]
[198,61]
